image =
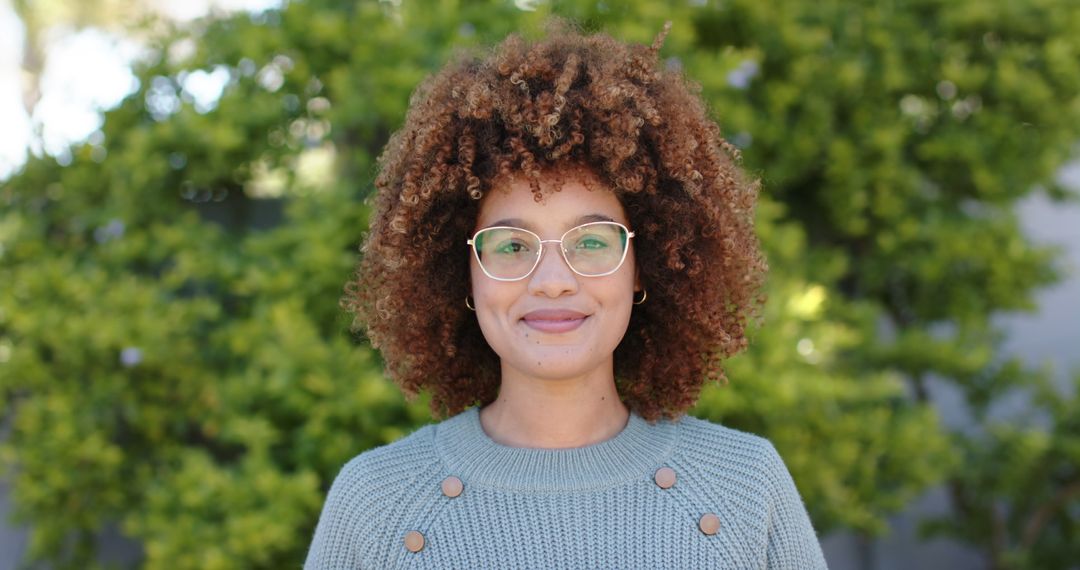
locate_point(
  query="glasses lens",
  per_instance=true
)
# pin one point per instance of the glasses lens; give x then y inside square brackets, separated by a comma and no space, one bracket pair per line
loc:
[595,249]
[506,253]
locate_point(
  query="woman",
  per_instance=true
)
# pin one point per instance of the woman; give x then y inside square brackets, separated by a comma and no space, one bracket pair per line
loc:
[562,253]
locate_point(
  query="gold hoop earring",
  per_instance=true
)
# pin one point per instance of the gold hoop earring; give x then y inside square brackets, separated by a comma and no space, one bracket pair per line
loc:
[644,295]
[471,308]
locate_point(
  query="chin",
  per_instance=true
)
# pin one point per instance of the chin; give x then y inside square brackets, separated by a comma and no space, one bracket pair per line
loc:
[554,366]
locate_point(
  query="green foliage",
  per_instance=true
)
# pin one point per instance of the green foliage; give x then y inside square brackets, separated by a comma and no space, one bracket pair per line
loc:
[856,444]
[900,137]
[172,356]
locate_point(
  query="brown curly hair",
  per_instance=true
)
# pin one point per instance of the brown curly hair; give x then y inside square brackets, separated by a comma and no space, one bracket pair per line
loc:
[531,107]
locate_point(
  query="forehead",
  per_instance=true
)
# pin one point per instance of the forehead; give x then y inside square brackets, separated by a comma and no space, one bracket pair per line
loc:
[568,199]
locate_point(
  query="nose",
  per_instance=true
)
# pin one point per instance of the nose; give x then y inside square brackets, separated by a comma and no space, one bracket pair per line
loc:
[552,276]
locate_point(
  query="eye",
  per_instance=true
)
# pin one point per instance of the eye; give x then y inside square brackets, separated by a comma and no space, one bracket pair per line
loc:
[511,246]
[591,242]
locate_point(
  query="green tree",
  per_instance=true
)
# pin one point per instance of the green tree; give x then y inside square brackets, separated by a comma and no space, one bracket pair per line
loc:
[172,356]
[900,138]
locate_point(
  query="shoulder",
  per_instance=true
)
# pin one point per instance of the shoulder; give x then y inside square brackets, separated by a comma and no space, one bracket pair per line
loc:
[387,462]
[378,476]
[731,456]
[414,449]
[366,496]
[720,441]
[745,476]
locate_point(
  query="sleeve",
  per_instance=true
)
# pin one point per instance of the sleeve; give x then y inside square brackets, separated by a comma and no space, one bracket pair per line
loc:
[333,546]
[793,544]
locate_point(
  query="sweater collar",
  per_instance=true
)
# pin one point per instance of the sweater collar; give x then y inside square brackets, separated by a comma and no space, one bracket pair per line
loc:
[635,452]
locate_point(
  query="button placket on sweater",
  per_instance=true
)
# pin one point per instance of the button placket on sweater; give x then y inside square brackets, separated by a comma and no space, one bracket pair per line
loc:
[665,478]
[477,444]
[451,487]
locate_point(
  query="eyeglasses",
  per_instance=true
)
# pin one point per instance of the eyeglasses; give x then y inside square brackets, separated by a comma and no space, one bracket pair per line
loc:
[594,249]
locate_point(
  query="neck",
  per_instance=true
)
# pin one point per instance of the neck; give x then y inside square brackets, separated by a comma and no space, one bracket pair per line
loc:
[555,413]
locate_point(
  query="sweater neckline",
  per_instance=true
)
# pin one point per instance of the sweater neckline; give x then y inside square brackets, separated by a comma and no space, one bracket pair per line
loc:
[633,453]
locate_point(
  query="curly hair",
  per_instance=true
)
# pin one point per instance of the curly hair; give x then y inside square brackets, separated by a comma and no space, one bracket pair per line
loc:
[525,108]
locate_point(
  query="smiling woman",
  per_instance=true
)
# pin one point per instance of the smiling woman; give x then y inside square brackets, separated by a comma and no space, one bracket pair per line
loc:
[562,253]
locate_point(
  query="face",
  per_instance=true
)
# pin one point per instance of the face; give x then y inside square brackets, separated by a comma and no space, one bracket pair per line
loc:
[519,318]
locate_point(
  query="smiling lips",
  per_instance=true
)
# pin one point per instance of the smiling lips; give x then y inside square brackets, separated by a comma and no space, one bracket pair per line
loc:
[554,320]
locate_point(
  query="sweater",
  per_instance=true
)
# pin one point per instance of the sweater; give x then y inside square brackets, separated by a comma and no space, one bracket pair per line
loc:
[670,494]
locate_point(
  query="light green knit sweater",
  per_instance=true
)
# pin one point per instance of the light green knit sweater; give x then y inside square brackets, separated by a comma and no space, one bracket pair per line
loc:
[731,503]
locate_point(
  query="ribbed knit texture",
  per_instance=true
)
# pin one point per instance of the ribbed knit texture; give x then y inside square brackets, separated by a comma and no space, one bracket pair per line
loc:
[596,506]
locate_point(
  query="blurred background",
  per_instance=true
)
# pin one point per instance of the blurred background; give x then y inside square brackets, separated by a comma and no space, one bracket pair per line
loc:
[182,191]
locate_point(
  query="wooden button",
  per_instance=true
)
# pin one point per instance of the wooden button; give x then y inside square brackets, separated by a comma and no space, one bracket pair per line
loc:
[664,477]
[414,541]
[452,486]
[709,523]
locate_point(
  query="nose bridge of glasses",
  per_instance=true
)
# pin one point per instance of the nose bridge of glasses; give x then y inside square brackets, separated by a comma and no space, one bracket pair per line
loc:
[544,274]
[560,254]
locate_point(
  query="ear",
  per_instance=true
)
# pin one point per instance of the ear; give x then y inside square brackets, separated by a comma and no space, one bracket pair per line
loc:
[637,278]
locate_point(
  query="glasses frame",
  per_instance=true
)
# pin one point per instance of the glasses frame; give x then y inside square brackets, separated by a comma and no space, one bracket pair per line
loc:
[540,252]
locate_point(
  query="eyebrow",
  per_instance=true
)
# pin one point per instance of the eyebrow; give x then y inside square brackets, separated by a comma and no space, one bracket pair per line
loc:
[519,223]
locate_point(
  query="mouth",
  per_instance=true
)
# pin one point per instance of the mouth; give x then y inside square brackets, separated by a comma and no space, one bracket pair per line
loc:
[554,321]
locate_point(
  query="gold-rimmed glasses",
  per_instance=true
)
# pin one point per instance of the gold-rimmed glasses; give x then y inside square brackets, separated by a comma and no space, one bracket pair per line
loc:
[595,249]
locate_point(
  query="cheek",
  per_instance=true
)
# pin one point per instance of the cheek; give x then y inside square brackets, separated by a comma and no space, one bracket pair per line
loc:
[480,285]
[623,304]
[491,298]
[493,304]
[620,300]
